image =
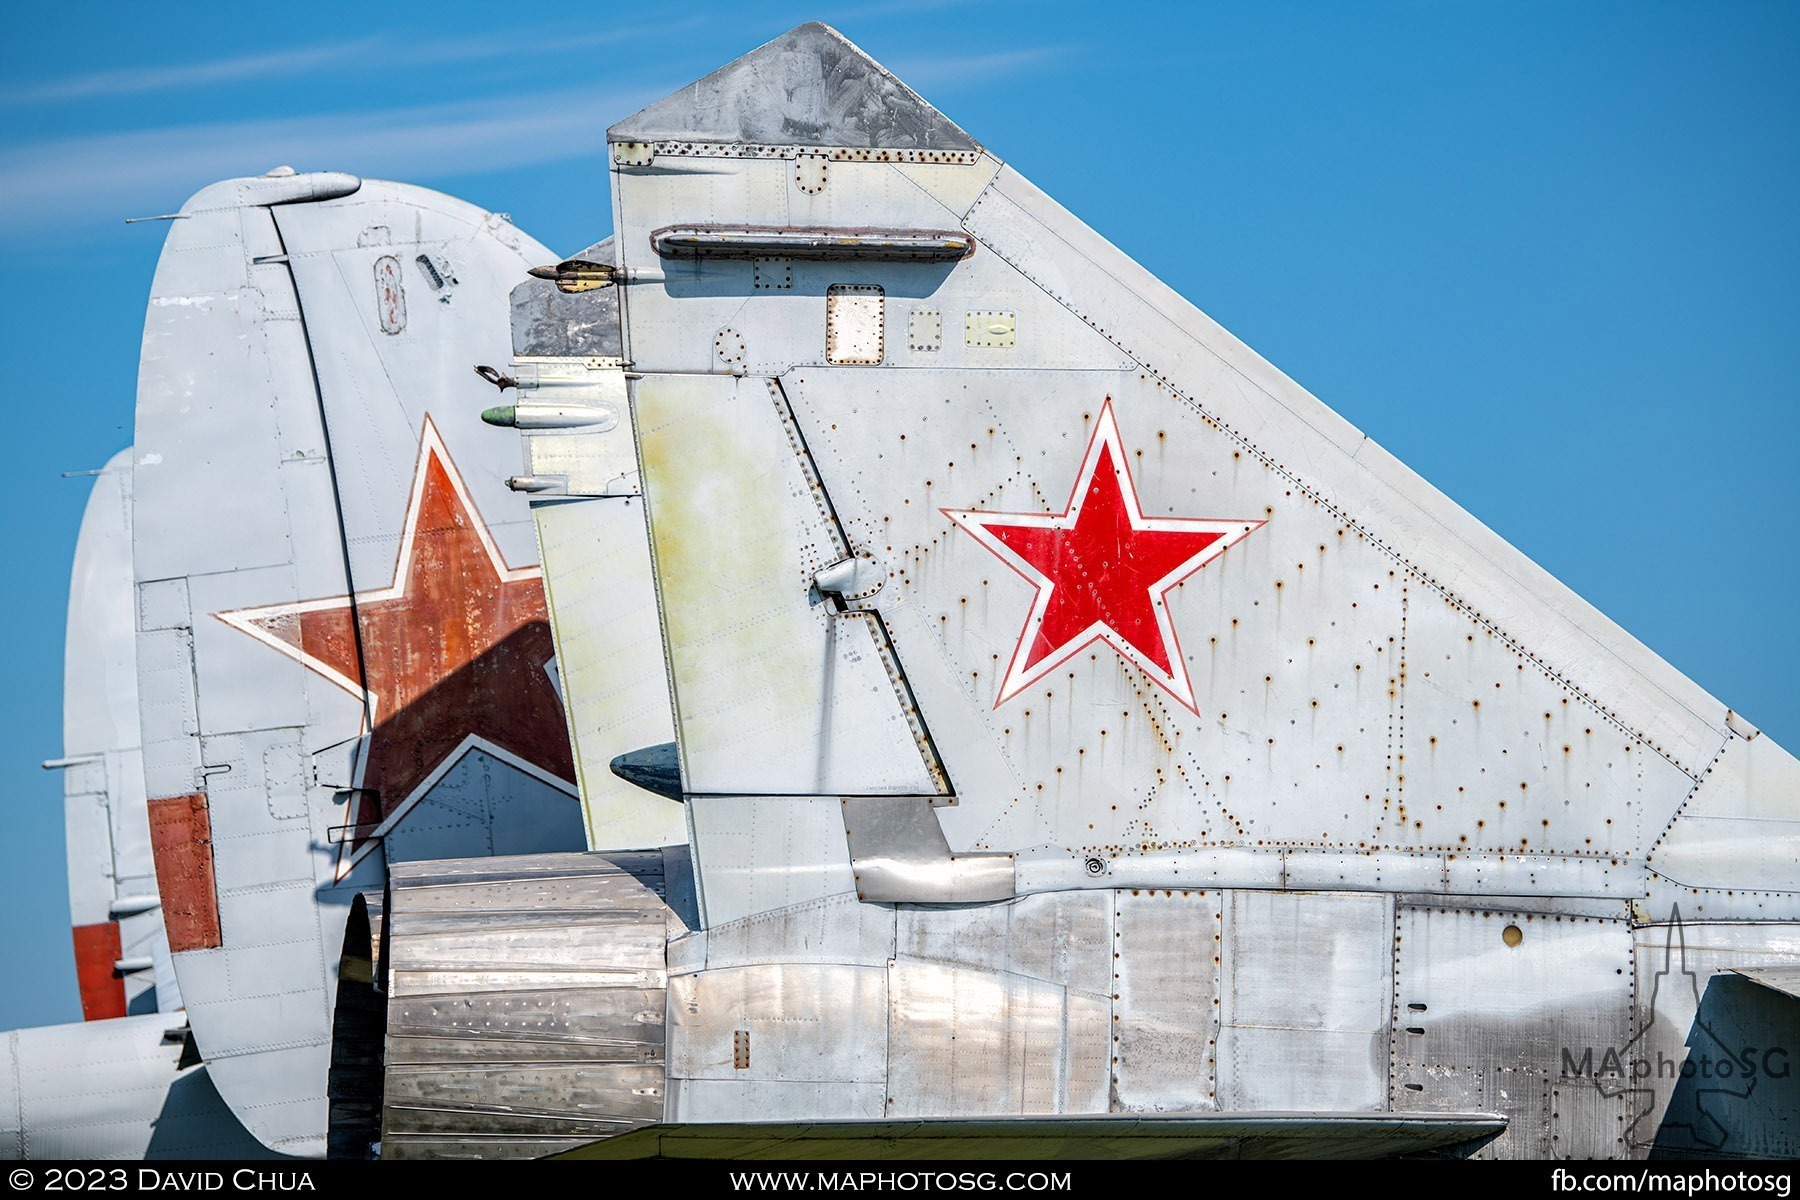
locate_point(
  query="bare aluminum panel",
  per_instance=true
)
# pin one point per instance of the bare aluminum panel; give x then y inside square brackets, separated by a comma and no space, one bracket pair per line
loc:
[1468,566]
[837,929]
[1481,1017]
[1738,835]
[1062,937]
[1712,1062]
[964,1042]
[855,324]
[1307,990]
[112,1090]
[756,853]
[1166,1000]
[784,1022]
[727,1101]
[1292,738]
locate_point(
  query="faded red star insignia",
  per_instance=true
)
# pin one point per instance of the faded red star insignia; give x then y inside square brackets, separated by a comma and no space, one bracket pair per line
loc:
[1102,569]
[453,653]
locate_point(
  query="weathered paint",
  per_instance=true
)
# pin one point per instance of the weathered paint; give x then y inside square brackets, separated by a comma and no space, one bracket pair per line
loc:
[181,843]
[102,989]
[455,648]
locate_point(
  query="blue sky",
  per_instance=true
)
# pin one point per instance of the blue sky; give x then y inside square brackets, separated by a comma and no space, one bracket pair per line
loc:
[1545,253]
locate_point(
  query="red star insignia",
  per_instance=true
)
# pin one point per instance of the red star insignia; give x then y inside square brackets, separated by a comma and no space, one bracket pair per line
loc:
[1102,570]
[454,653]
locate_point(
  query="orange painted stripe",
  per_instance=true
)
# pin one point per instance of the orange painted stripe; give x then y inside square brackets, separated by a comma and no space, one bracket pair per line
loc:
[181,844]
[102,990]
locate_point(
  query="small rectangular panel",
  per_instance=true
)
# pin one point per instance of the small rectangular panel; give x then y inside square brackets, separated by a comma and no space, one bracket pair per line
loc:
[1166,979]
[925,329]
[1307,996]
[774,274]
[991,328]
[854,324]
[181,843]
[163,604]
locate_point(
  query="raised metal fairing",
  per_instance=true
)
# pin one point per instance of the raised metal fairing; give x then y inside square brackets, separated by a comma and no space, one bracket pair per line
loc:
[898,852]
[654,768]
[813,244]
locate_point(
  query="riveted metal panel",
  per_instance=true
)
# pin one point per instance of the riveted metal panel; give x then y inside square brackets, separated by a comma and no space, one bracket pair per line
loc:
[756,853]
[1166,1000]
[1321,456]
[1307,984]
[1481,1017]
[964,1041]
[835,929]
[855,324]
[806,1022]
[733,1101]
[1058,937]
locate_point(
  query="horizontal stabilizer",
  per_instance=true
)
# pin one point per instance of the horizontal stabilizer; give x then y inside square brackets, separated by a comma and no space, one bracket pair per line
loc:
[1785,980]
[1182,1135]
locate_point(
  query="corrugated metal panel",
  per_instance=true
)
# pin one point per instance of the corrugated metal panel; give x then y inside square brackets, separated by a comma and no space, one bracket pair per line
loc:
[526,1003]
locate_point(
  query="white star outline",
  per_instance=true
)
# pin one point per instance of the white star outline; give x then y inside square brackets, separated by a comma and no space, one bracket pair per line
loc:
[1176,681]
[431,446]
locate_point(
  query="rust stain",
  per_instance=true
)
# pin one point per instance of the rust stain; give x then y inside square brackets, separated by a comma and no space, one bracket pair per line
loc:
[181,845]
[102,990]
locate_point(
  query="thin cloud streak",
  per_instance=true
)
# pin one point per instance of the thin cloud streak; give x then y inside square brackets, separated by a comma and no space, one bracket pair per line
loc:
[74,182]
[551,46]
[140,80]
[949,71]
